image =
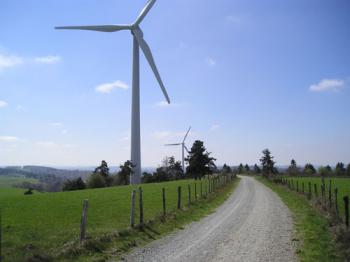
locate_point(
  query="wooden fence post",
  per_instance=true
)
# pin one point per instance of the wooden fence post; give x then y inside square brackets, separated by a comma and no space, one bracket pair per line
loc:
[141,207]
[189,196]
[336,201]
[164,202]
[195,191]
[179,197]
[330,193]
[297,186]
[346,208]
[132,213]
[310,193]
[84,220]
[315,189]
[201,189]
[0,234]
[303,188]
[292,184]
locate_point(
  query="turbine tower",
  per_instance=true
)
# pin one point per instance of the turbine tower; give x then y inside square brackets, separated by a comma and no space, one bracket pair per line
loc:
[183,146]
[138,42]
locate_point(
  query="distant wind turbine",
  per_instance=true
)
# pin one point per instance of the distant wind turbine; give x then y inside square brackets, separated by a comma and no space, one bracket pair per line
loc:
[183,146]
[138,42]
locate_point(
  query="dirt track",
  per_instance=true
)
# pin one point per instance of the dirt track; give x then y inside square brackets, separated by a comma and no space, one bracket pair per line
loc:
[252,225]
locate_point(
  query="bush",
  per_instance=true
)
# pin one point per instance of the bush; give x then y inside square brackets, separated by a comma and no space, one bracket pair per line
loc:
[75,184]
[96,181]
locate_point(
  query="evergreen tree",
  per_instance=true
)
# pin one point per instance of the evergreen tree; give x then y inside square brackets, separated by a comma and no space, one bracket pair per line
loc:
[103,169]
[340,169]
[226,169]
[126,170]
[247,168]
[240,169]
[257,169]
[267,163]
[309,170]
[293,169]
[199,161]
[348,170]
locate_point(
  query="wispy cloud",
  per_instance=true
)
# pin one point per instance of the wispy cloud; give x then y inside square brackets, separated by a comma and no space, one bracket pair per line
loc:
[64,131]
[210,61]
[8,139]
[51,144]
[3,104]
[10,61]
[215,127]
[109,87]
[328,85]
[50,60]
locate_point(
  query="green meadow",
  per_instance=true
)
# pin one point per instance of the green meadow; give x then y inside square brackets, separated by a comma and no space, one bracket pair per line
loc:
[44,222]
[343,185]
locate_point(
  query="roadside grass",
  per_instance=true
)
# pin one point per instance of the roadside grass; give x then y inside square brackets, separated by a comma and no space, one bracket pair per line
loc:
[45,226]
[313,234]
[343,185]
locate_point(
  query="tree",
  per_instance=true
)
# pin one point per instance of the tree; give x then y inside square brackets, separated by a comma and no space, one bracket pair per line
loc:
[309,169]
[246,168]
[267,163]
[126,170]
[348,170]
[174,169]
[240,169]
[199,161]
[293,169]
[340,169]
[96,181]
[257,169]
[325,171]
[103,169]
[75,184]
[226,170]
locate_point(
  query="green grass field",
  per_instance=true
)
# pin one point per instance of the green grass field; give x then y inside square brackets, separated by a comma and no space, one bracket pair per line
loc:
[44,222]
[343,185]
[313,235]
[10,181]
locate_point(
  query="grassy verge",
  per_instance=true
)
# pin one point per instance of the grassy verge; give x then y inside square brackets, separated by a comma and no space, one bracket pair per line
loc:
[116,244]
[313,232]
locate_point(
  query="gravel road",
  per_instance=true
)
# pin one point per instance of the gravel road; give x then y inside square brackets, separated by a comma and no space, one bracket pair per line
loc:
[252,225]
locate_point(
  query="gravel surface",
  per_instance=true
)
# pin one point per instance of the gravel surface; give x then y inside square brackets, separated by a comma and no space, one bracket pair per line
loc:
[252,225]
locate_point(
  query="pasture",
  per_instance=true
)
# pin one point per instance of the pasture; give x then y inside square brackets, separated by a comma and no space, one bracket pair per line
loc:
[44,222]
[343,185]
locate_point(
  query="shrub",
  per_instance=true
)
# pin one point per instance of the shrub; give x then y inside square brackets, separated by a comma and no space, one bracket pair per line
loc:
[96,181]
[75,184]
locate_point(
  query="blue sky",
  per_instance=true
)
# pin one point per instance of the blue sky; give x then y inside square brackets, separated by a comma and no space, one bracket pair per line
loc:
[246,75]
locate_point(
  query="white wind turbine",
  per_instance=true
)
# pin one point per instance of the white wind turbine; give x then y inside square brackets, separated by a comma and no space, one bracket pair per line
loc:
[183,146]
[138,42]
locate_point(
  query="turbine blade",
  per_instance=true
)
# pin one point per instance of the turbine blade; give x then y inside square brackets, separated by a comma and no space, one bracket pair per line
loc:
[173,144]
[186,135]
[144,11]
[148,54]
[99,28]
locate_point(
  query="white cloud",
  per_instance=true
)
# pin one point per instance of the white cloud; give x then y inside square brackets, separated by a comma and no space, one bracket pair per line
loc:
[109,87]
[3,104]
[214,127]
[49,60]
[8,139]
[10,61]
[64,132]
[210,61]
[328,85]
